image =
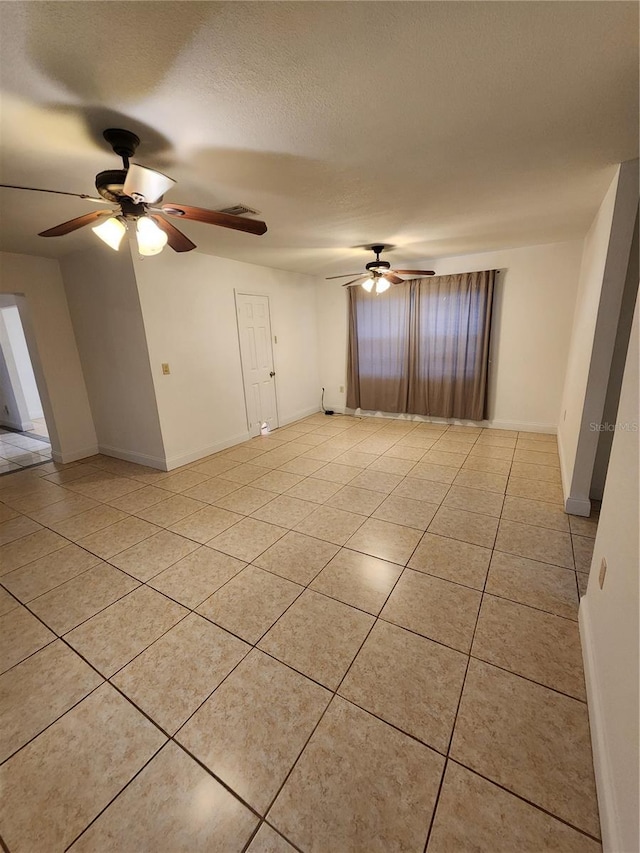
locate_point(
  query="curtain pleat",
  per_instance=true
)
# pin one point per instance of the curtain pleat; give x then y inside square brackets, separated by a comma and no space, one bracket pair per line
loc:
[422,347]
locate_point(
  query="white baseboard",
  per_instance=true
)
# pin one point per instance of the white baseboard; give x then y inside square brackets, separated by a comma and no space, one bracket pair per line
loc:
[201,453]
[577,506]
[74,455]
[521,426]
[130,456]
[21,426]
[611,841]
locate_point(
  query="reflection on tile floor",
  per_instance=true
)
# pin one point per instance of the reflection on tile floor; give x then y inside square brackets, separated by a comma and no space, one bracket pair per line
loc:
[22,449]
[351,636]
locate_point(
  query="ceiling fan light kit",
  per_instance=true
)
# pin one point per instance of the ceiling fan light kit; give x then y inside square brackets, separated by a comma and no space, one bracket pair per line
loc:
[379,274]
[134,190]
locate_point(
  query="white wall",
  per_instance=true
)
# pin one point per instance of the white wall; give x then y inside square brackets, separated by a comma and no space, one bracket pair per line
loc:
[18,343]
[190,321]
[601,285]
[609,628]
[105,310]
[533,307]
[54,354]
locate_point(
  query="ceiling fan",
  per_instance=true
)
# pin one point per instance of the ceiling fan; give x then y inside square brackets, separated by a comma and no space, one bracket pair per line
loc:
[135,194]
[379,274]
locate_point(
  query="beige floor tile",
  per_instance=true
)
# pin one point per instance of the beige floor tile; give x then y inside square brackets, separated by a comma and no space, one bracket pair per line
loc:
[436,473]
[421,490]
[197,576]
[181,481]
[18,553]
[120,536]
[244,474]
[582,552]
[83,524]
[442,611]
[408,681]
[267,840]
[354,499]
[442,455]
[59,782]
[302,466]
[277,481]
[491,451]
[250,603]
[514,732]
[297,557]
[212,490]
[536,543]
[172,678]
[48,572]
[495,440]
[171,510]
[43,496]
[103,486]
[358,579]
[68,475]
[81,597]
[317,491]
[324,453]
[410,454]
[406,511]
[112,638]
[242,454]
[247,539]
[537,584]
[357,458]
[481,480]
[383,539]
[6,513]
[252,729]
[474,500]
[149,557]
[321,809]
[527,471]
[139,500]
[319,637]
[526,452]
[21,634]
[16,528]
[584,526]
[538,513]
[452,560]
[38,691]
[217,465]
[474,814]
[284,510]
[536,490]
[487,464]
[7,602]
[245,500]
[172,805]
[206,523]
[392,465]
[583,582]
[466,526]
[332,525]
[376,481]
[536,645]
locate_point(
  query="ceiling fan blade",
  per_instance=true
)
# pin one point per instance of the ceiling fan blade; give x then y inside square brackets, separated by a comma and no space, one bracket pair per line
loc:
[146,185]
[392,278]
[178,241]
[413,272]
[74,224]
[57,192]
[214,217]
[355,280]
[329,277]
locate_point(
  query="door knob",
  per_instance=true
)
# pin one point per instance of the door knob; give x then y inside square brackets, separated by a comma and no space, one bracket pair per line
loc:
[272,374]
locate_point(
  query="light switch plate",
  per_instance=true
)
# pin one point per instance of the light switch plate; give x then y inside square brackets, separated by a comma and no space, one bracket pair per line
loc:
[165,369]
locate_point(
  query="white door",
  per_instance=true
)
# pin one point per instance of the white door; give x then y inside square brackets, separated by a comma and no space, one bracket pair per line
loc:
[254,329]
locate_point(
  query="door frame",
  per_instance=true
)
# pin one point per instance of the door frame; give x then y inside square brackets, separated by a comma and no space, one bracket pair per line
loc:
[236,293]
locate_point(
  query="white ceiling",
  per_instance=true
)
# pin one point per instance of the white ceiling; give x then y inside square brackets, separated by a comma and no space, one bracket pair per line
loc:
[439,127]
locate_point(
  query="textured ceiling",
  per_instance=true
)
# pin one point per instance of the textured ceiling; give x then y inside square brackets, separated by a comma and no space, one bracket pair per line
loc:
[438,127]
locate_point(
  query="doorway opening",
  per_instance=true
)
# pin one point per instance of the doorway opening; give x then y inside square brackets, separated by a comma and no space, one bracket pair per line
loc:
[24,435]
[256,355]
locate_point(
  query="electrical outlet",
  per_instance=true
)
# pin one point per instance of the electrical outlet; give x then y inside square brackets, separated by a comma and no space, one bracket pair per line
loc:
[603,572]
[166,370]
[342,389]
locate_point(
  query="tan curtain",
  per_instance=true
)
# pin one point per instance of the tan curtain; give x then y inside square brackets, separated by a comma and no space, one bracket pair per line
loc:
[422,347]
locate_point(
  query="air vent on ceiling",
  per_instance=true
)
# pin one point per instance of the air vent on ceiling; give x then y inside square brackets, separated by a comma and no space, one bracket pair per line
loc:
[240,210]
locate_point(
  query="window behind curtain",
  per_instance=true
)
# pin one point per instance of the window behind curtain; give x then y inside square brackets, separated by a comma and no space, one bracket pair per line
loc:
[422,347]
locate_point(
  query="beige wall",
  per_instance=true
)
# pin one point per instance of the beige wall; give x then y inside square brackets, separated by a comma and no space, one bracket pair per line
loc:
[190,321]
[54,354]
[609,627]
[533,307]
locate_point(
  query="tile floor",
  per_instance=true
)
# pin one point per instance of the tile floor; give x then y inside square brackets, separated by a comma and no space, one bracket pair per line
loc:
[354,635]
[22,449]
